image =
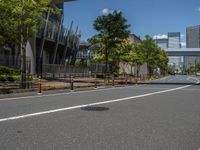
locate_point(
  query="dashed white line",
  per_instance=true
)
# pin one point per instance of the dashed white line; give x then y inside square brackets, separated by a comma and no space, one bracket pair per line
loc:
[91,104]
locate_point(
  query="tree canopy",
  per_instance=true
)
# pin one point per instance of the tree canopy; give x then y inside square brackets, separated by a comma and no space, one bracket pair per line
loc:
[20,19]
[112,31]
[154,56]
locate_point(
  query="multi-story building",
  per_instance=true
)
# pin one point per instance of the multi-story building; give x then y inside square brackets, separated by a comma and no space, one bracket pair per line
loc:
[162,42]
[52,44]
[193,37]
[174,40]
[171,41]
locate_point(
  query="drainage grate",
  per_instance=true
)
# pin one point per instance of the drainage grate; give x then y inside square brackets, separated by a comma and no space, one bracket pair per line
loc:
[94,108]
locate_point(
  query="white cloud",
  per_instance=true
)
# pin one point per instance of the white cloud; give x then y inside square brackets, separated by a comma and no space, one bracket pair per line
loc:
[198,9]
[107,11]
[160,36]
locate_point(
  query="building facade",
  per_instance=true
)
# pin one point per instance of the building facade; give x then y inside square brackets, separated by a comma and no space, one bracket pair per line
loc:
[53,43]
[174,40]
[193,37]
[162,43]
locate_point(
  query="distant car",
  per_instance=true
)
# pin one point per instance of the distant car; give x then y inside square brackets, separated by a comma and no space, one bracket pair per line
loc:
[172,73]
[198,73]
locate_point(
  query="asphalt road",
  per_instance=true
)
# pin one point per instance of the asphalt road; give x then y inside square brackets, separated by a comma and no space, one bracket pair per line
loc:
[179,79]
[140,117]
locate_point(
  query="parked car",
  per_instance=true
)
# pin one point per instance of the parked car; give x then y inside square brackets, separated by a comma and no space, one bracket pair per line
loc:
[198,73]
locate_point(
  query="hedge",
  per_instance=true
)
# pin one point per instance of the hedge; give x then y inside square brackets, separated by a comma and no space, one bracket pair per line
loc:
[9,77]
[9,71]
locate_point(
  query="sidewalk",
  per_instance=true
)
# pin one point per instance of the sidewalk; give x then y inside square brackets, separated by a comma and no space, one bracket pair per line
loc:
[63,84]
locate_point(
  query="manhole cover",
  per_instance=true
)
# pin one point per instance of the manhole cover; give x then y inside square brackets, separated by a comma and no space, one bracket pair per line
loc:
[94,108]
[19,131]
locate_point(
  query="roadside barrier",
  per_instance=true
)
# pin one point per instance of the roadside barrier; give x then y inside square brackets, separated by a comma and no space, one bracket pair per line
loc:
[119,81]
[39,87]
[95,82]
[136,81]
[113,81]
[71,83]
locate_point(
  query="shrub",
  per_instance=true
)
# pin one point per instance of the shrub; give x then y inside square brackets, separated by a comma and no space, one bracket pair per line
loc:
[9,78]
[3,78]
[16,77]
[28,78]
[9,70]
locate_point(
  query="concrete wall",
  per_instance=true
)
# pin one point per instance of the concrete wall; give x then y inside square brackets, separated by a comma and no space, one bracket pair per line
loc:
[125,67]
[30,52]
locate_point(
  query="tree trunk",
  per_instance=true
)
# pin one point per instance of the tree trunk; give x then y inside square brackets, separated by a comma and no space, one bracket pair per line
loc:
[23,66]
[138,70]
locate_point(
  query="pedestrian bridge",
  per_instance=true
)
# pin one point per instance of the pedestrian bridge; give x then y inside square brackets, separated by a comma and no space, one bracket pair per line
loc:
[187,57]
[183,51]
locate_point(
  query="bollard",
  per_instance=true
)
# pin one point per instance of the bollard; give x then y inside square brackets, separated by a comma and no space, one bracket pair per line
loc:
[95,82]
[113,81]
[126,82]
[136,81]
[71,83]
[39,86]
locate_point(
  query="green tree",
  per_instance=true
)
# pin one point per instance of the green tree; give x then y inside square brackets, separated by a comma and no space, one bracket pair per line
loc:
[139,58]
[20,19]
[163,61]
[112,30]
[197,67]
[154,56]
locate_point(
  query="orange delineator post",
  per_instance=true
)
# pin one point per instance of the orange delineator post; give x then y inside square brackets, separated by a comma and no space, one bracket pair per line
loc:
[113,81]
[39,87]
[71,83]
[126,82]
[136,80]
[95,82]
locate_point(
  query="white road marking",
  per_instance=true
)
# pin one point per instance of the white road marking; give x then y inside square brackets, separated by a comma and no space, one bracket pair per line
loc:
[91,104]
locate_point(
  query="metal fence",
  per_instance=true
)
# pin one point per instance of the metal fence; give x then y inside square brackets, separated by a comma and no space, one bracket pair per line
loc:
[14,61]
[62,71]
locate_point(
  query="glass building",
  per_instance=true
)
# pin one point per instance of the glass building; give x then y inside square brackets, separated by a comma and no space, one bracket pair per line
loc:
[193,37]
[162,43]
[174,40]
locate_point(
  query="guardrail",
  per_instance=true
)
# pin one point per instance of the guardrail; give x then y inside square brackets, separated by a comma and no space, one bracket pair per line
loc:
[70,82]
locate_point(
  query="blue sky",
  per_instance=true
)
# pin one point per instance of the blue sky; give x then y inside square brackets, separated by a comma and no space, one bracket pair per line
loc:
[150,17]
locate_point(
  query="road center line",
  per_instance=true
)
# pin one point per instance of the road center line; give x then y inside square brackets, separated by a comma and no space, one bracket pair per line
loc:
[91,104]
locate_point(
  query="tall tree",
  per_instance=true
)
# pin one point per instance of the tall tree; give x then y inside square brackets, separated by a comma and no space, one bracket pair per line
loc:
[112,30]
[154,56]
[150,54]
[20,19]
[139,58]
[163,61]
